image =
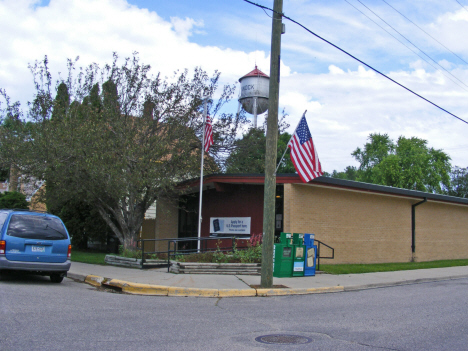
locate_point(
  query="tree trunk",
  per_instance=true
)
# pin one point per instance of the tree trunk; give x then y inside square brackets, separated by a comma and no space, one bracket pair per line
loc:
[127,228]
[14,175]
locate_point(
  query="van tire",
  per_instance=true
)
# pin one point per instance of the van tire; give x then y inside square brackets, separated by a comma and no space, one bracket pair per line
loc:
[56,278]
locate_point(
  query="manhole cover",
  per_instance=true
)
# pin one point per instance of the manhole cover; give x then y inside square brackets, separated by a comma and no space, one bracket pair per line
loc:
[283,339]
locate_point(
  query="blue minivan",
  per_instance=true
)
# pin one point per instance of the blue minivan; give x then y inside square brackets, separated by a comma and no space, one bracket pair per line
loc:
[34,242]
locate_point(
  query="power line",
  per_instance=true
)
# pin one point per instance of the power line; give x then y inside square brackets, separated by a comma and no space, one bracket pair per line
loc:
[402,43]
[409,41]
[461,59]
[463,7]
[355,58]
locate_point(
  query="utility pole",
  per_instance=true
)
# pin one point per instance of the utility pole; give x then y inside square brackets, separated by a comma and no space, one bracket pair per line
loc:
[271,149]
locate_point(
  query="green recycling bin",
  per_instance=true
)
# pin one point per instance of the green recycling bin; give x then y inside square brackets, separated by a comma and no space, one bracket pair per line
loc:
[299,251]
[283,256]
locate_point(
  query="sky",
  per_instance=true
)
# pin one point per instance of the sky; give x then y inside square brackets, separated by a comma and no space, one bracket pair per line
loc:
[345,100]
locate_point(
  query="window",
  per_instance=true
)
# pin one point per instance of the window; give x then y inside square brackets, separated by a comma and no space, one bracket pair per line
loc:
[36,227]
[3,217]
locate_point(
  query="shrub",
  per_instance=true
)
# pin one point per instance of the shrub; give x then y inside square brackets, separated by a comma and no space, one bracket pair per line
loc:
[129,253]
[252,254]
[13,199]
[256,239]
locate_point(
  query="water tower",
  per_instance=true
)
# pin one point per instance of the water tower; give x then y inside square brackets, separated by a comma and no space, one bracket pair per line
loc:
[255,87]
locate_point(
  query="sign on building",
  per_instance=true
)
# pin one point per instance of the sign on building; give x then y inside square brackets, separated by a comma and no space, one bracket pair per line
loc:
[230,225]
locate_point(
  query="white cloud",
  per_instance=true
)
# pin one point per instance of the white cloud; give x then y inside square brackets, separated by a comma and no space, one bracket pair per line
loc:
[183,27]
[444,27]
[351,105]
[335,70]
[94,30]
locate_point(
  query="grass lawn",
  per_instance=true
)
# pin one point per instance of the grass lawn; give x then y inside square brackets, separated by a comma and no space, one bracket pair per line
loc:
[88,256]
[387,267]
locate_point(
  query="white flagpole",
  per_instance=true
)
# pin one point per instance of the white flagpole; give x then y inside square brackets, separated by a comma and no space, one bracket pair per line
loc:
[284,153]
[201,175]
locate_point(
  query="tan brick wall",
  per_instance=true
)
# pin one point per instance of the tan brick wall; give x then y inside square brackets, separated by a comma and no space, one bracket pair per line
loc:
[164,226]
[148,231]
[441,231]
[361,227]
[373,228]
[37,201]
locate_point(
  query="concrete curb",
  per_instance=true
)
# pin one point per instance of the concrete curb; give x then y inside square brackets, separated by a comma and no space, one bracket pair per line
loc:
[299,291]
[94,280]
[75,276]
[137,288]
[403,282]
[161,290]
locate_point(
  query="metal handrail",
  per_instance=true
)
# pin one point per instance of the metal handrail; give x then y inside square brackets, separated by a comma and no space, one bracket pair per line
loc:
[173,251]
[325,257]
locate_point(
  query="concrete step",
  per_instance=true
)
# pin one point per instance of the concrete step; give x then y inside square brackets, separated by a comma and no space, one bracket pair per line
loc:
[216,268]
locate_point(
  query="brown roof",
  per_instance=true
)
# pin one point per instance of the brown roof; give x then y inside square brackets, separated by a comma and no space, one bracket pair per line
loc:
[255,73]
[292,178]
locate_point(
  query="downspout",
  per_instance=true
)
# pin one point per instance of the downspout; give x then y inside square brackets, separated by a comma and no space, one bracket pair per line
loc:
[413,226]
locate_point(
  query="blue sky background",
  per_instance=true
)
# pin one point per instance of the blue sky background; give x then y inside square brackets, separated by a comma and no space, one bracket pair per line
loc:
[345,101]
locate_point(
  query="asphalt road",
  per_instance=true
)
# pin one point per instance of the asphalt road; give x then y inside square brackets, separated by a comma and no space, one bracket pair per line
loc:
[39,315]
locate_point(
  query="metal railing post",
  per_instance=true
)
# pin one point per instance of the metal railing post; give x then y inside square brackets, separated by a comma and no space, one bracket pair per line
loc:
[168,259]
[142,252]
[318,256]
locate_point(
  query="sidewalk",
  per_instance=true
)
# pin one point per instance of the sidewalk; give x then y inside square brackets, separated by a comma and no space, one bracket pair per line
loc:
[159,282]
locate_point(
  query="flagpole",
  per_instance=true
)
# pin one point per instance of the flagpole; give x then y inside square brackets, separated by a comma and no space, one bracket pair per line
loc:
[201,175]
[289,141]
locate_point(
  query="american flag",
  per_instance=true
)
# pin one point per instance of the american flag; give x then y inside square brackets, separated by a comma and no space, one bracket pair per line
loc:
[303,153]
[208,134]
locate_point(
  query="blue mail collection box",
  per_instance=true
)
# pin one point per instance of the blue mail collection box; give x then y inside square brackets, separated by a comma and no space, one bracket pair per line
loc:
[311,255]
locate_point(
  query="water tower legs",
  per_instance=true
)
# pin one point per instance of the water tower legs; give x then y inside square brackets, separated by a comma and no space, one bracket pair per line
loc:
[255,112]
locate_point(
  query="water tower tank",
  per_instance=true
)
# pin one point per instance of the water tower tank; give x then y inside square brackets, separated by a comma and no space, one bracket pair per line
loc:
[255,87]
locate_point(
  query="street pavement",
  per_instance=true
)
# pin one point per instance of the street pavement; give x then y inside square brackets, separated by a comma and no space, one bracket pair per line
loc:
[158,281]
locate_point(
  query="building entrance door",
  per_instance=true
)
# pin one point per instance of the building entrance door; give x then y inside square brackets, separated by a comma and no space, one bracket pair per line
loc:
[188,222]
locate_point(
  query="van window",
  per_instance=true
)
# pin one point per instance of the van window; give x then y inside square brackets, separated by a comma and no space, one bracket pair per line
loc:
[3,217]
[36,227]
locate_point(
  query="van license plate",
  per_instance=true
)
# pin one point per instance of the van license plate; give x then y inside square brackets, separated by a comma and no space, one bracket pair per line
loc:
[37,248]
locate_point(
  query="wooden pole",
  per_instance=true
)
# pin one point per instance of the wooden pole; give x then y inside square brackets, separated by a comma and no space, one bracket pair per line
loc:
[271,149]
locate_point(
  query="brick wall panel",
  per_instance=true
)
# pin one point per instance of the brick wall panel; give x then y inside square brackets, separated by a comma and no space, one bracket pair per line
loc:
[362,227]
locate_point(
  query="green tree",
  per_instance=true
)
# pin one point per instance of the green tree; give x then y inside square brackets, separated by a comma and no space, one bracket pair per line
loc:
[83,222]
[459,182]
[248,155]
[81,218]
[61,102]
[350,173]
[286,165]
[9,122]
[114,158]
[110,98]
[93,100]
[13,199]
[373,153]
[408,164]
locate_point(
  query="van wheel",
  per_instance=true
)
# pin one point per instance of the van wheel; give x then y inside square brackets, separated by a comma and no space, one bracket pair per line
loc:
[56,278]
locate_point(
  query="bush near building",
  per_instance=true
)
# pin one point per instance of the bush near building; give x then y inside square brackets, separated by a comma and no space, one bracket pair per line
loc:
[13,199]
